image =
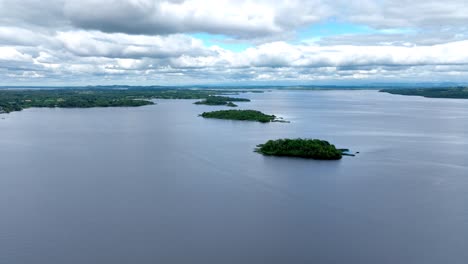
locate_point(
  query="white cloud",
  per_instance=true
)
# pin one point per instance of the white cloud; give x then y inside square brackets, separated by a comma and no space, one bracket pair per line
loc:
[147,40]
[12,54]
[88,54]
[281,54]
[97,44]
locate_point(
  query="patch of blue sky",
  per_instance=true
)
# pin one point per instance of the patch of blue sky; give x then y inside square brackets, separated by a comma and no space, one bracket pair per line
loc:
[309,34]
[397,31]
[222,41]
[329,28]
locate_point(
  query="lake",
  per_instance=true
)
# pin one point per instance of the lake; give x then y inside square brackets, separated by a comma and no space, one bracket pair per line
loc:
[158,184]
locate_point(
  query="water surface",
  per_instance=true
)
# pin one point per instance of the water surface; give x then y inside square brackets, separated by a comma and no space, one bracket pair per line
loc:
[157,184]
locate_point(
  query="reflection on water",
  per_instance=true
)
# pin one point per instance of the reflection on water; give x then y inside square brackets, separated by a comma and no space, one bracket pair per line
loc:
[159,184]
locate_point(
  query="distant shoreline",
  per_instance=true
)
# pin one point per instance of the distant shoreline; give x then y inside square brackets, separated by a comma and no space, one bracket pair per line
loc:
[237,87]
[445,93]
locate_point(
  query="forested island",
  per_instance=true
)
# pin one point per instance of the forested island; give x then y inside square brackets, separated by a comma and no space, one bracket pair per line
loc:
[16,99]
[454,93]
[303,148]
[221,100]
[244,115]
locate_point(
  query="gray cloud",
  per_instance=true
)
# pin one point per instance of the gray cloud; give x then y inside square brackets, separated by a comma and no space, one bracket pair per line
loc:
[425,38]
[406,13]
[241,19]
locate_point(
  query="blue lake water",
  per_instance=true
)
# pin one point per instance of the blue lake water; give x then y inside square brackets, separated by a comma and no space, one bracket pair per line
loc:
[158,184]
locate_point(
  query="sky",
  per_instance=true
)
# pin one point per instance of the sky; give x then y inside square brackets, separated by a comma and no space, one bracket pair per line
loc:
[183,42]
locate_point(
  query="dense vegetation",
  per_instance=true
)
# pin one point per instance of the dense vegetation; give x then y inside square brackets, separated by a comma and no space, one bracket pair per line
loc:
[16,100]
[11,100]
[222,100]
[304,148]
[455,92]
[246,115]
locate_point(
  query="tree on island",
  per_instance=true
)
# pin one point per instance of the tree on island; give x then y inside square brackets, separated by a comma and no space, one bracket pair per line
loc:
[244,115]
[303,148]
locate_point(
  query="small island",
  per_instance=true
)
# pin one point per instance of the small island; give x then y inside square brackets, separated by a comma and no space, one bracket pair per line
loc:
[453,92]
[221,100]
[303,148]
[243,115]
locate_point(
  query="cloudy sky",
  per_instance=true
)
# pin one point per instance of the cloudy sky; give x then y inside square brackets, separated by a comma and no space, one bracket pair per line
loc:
[174,42]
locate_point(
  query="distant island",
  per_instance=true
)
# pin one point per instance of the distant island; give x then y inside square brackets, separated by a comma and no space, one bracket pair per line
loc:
[221,100]
[19,99]
[454,93]
[303,148]
[244,115]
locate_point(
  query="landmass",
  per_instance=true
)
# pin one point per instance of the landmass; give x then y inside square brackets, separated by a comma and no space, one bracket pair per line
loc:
[454,92]
[303,148]
[244,115]
[231,104]
[221,100]
[114,96]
